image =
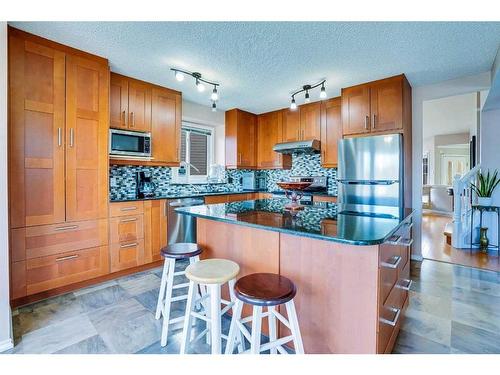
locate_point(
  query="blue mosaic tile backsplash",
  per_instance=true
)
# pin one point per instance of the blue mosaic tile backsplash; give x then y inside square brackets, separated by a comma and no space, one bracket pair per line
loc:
[122,178]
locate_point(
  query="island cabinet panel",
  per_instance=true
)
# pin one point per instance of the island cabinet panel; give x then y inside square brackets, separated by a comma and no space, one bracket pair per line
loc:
[241,139]
[331,131]
[270,132]
[36,119]
[291,125]
[337,293]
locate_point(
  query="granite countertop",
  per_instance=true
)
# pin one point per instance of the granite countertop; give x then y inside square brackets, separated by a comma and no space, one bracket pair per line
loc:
[185,195]
[203,194]
[351,224]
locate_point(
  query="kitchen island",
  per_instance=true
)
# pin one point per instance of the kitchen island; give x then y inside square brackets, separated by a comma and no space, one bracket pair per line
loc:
[350,265]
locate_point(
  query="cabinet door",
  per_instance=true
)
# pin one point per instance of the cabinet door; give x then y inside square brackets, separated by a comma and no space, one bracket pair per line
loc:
[356,110]
[269,132]
[310,121]
[139,106]
[36,173]
[126,255]
[118,102]
[331,131]
[155,229]
[87,83]
[166,126]
[291,125]
[387,104]
[246,140]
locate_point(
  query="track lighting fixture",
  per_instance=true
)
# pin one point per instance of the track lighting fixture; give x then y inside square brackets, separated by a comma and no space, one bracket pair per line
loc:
[307,88]
[200,84]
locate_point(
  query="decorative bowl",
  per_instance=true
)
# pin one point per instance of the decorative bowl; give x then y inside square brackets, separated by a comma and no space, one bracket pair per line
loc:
[293,191]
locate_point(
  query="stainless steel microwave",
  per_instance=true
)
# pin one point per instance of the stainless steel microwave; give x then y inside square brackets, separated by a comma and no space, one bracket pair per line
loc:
[129,143]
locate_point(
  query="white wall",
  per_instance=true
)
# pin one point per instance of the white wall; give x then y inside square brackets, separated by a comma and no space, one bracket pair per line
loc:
[5,318]
[201,114]
[421,94]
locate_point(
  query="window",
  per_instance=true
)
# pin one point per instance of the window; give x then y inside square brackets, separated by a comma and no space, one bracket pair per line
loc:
[196,154]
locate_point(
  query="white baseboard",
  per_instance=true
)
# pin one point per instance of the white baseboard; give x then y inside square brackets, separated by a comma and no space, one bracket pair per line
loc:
[6,345]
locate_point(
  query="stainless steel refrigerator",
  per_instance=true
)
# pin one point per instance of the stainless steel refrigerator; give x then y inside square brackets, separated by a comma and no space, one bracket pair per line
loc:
[370,170]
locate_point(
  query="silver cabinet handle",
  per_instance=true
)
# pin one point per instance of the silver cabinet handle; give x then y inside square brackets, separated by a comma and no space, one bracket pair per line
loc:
[374,119]
[128,245]
[59,137]
[66,258]
[396,317]
[393,240]
[407,242]
[128,220]
[129,208]
[396,260]
[71,137]
[67,227]
[405,287]
[367,121]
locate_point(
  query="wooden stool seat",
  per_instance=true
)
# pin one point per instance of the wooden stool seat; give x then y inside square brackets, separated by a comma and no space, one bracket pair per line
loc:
[212,271]
[181,250]
[265,289]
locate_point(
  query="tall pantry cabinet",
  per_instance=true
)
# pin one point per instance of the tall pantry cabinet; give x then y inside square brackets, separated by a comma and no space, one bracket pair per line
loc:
[58,164]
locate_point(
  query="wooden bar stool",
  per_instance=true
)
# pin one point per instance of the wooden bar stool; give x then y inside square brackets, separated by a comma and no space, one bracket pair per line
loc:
[265,290]
[211,273]
[172,253]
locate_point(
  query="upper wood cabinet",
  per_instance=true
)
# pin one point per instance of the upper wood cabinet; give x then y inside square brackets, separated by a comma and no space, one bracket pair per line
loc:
[331,131]
[58,132]
[291,124]
[375,106]
[310,121]
[241,139]
[130,104]
[270,132]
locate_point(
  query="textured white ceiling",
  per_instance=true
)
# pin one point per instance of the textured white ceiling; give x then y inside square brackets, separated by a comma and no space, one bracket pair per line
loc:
[260,63]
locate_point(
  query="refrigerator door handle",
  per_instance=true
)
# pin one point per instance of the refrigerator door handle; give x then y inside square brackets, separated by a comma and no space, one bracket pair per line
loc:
[365,182]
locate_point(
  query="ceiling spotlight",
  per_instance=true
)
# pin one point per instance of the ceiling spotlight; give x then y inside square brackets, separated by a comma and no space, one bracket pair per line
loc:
[307,88]
[322,94]
[179,76]
[200,86]
[214,107]
[214,95]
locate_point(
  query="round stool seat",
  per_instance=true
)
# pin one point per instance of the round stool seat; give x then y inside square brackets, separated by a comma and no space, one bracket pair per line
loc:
[181,250]
[212,271]
[264,289]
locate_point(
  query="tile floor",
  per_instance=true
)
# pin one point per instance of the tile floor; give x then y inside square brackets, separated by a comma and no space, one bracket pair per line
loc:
[453,309]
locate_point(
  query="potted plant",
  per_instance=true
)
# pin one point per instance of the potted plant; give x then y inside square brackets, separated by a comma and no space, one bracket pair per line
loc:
[484,187]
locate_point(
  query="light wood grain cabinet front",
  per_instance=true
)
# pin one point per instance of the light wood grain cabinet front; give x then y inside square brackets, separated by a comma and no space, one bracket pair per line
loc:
[331,131]
[126,255]
[270,132]
[126,228]
[241,139]
[155,229]
[126,208]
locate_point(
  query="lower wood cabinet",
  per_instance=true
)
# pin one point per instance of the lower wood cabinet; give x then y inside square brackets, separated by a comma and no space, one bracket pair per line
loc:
[155,229]
[324,198]
[49,272]
[126,254]
[227,198]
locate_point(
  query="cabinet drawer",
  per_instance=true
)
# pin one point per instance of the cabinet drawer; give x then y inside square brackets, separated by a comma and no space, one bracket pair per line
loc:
[389,264]
[126,228]
[126,208]
[45,240]
[126,255]
[389,318]
[54,271]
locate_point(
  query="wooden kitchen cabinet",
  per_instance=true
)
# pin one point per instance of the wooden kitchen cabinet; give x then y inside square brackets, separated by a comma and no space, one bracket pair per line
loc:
[241,139]
[270,132]
[291,124]
[166,126]
[376,107]
[155,229]
[130,103]
[331,131]
[310,121]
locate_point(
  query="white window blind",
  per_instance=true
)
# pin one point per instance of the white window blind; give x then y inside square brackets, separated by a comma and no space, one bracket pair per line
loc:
[196,148]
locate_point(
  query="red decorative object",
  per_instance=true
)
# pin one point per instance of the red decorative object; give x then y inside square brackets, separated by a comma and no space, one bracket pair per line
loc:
[293,191]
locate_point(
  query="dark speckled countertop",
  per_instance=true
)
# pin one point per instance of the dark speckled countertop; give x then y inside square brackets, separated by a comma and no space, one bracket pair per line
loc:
[352,224]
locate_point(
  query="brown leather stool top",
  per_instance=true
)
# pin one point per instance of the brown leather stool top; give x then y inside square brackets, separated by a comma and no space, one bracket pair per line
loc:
[264,289]
[181,250]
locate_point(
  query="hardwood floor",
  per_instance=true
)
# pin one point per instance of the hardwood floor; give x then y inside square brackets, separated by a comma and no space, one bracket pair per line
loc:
[434,246]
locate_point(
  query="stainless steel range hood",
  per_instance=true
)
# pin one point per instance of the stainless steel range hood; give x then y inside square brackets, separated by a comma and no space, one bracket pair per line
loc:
[299,146]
